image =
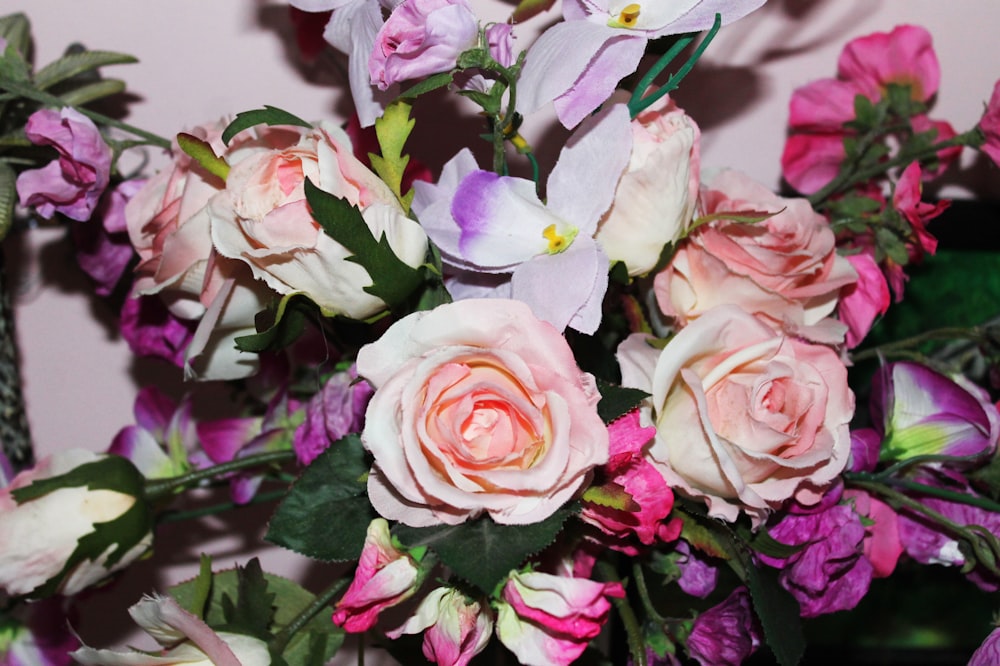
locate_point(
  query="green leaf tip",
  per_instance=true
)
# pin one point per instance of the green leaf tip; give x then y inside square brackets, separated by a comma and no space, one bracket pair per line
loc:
[269,115]
[202,153]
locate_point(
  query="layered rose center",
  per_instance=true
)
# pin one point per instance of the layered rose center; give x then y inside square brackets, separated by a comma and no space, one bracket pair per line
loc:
[480,417]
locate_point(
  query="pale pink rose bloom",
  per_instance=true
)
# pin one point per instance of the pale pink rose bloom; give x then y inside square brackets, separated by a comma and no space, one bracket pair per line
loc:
[422,37]
[30,557]
[548,620]
[186,639]
[478,407]
[455,629]
[745,418]
[990,126]
[657,194]
[73,183]
[860,303]
[784,269]
[263,219]
[385,576]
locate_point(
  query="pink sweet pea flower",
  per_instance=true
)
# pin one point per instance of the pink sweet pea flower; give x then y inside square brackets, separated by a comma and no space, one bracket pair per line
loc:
[104,251]
[862,302]
[73,183]
[150,329]
[336,410]
[420,38]
[990,126]
[386,576]
[158,443]
[578,63]
[881,546]
[726,634]
[548,620]
[649,492]
[189,639]
[906,200]
[455,628]
[988,654]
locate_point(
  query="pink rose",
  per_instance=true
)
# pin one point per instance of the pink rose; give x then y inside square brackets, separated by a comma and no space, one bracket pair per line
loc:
[656,196]
[421,37]
[385,576]
[478,406]
[263,219]
[73,183]
[784,269]
[455,628]
[989,125]
[548,620]
[745,418]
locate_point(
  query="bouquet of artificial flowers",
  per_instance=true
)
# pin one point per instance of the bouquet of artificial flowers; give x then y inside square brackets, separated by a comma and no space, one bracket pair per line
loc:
[621,410]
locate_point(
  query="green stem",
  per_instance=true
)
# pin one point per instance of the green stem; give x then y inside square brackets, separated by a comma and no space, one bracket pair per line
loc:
[162,487]
[647,603]
[281,640]
[913,486]
[849,178]
[661,64]
[633,630]
[52,100]
[193,514]
[975,333]
[638,105]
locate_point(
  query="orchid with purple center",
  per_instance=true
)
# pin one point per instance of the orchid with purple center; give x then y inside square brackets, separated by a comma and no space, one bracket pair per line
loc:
[578,63]
[486,223]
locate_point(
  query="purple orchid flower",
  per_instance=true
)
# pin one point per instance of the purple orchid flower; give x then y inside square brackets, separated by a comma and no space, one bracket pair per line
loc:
[485,223]
[579,62]
[923,412]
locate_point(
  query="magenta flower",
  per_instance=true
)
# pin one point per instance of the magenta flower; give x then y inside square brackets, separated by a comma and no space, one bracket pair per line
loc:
[923,412]
[420,38]
[38,634]
[386,576]
[150,329]
[863,301]
[104,251]
[653,500]
[578,63]
[163,433]
[698,576]
[725,634]
[336,410]
[548,620]
[988,653]
[455,628]
[73,183]
[990,126]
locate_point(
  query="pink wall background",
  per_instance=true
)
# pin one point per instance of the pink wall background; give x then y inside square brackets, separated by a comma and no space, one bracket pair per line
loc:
[200,60]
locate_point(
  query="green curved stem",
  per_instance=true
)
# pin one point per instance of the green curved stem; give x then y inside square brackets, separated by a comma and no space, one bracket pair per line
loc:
[52,100]
[923,489]
[281,640]
[633,630]
[975,333]
[160,488]
[647,603]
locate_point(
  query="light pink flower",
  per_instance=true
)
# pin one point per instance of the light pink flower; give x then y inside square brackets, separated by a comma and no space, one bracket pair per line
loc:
[420,38]
[186,639]
[745,418]
[657,194]
[263,219]
[784,269]
[31,557]
[860,303]
[385,576]
[73,183]
[648,491]
[548,620]
[455,628]
[478,407]
[990,126]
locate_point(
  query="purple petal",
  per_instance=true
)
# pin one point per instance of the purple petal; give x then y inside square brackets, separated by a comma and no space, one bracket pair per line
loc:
[614,61]
[223,438]
[153,411]
[542,284]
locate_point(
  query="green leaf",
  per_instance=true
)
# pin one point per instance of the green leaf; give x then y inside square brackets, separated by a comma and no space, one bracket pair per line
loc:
[617,401]
[13,66]
[8,195]
[93,91]
[778,612]
[313,645]
[202,153]
[737,216]
[393,280]
[705,534]
[612,496]
[326,512]
[433,82]
[529,8]
[481,551]
[269,115]
[15,29]
[287,323]
[202,590]
[74,64]
[252,609]
[393,129]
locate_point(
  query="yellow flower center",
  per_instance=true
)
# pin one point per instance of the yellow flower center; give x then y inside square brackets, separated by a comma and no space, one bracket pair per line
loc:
[626,18]
[558,241]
